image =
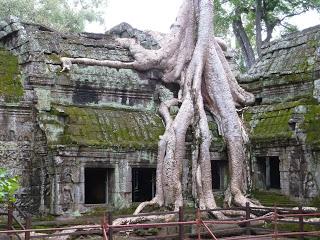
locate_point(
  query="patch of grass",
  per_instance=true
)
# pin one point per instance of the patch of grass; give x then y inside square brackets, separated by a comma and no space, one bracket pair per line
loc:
[44,218]
[96,212]
[294,227]
[219,200]
[126,211]
[268,198]
[146,232]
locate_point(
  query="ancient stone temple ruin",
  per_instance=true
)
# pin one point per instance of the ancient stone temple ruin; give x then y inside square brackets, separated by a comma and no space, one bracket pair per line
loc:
[285,123]
[88,137]
[84,137]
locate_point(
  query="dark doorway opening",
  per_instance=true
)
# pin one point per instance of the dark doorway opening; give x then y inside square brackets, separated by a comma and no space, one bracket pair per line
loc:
[143,184]
[219,174]
[97,185]
[274,172]
[269,172]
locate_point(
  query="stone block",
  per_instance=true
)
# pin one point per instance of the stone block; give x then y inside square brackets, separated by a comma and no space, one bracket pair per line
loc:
[43,99]
[316,90]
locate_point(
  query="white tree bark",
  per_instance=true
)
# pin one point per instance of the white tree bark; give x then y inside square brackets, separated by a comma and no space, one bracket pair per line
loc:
[192,57]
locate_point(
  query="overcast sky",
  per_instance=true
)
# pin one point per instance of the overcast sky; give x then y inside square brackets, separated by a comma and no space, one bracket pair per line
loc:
[158,15]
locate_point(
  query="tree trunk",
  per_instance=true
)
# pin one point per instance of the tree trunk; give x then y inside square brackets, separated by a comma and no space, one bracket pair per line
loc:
[270,25]
[191,57]
[244,42]
[258,22]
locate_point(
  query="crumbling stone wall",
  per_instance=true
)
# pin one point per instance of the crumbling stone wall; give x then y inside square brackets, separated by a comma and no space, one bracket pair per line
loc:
[56,124]
[285,120]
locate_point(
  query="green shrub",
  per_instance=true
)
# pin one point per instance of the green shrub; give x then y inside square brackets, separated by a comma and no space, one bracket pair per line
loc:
[8,186]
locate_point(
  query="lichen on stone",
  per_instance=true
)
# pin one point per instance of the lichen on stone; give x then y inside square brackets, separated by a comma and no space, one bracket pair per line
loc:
[43,99]
[316,90]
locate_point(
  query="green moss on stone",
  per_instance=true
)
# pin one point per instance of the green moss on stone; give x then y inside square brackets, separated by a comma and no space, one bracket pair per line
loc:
[269,123]
[274,125]
[311,125]
[314,43]
[110,128]
[217,143]
[10,80]
[53,57]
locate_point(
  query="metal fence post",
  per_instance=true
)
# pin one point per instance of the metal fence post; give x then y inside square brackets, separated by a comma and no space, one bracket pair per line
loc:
[248,211]
[301,224]
[110,230]
[181,219]
[198,216]
[10,217]
[275,222]
[28,226]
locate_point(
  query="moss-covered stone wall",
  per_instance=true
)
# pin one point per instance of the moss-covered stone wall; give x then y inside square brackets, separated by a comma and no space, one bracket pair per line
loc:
[311,126]
[269,124]
[105,127]
[11,89]
[284,122]
[287,68]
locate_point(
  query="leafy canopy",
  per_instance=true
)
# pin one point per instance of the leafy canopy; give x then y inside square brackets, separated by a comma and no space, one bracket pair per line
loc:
[62,15]
[258,19]
[8,186]
[274,12]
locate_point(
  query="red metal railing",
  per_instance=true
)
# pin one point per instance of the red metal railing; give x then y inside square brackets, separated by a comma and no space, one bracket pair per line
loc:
[276,217]
[14,222]
[107,228]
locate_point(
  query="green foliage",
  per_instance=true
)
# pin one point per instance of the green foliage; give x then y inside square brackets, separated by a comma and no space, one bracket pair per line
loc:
[274,11]
[62,15]
[274,15]
[8,186]
[221,19]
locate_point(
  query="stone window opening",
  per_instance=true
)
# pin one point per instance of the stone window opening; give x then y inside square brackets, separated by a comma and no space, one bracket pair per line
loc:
[258,100]
[98,185]
[143,184]
[269,172]
[292,124]
[219,174]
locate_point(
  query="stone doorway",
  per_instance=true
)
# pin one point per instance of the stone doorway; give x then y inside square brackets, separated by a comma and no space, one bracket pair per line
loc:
[219,174]
[269,172]
[143,184]
[98,185]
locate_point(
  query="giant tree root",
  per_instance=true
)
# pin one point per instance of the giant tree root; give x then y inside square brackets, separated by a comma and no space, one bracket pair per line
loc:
[142,219]
[192,57]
